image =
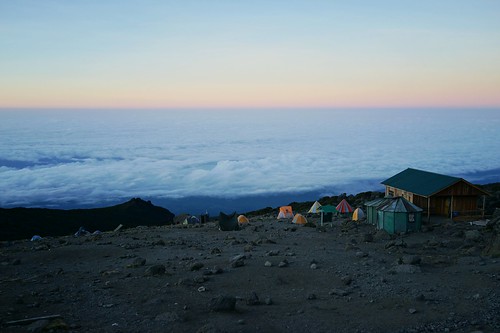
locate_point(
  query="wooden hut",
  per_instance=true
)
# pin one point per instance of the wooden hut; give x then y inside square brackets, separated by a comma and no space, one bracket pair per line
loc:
[437,194]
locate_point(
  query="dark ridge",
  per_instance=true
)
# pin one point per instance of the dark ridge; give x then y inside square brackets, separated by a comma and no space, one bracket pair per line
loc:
[22,223]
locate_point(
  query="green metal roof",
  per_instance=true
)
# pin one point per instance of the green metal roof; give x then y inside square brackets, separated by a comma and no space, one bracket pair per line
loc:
[328,209]
[420,182]
[399,205]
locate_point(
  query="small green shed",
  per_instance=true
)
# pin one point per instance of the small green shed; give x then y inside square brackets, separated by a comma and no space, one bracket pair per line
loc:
[399,215]
[371,209]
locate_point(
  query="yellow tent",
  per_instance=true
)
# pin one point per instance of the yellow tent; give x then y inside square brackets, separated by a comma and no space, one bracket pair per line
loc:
[242,219]
[358,214]
[315,208]
[299,219]
[285,212]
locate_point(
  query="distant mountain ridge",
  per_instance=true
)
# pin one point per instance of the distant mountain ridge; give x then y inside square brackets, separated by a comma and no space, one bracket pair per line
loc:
[22,223]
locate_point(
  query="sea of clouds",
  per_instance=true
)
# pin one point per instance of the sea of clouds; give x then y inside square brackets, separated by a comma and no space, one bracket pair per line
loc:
[90,157]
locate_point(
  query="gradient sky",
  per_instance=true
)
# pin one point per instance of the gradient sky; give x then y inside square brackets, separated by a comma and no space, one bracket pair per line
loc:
[94,53]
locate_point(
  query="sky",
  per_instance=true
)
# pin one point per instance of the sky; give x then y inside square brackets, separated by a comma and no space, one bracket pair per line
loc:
[226,53]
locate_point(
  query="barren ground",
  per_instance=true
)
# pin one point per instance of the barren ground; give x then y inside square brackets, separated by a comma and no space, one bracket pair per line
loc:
[347,277]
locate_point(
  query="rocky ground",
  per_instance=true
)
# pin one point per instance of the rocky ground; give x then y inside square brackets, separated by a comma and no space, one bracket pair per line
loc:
[268,277]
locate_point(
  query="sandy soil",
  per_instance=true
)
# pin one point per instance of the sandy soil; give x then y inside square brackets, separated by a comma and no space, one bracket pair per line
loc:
[268,277]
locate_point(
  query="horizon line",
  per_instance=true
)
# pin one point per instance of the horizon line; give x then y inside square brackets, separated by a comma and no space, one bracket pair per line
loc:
[241,107]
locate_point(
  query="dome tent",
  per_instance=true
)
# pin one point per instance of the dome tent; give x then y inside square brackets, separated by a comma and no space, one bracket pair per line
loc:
[242,219]
[285,212]
[299,219]
[358,214]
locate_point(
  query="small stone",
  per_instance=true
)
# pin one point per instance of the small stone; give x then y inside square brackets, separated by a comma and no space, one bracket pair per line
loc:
[196,266]
[311,296]
[346,280]
[155,270]
[253,299]
[412,311]
[216,270]
[268,264]
[314,266]
[238,263]
[268,301]
[411,260]
[215,250]
[472,235]
[223,303]
[283,263]
[361,254]
[272,253]
[367,238]
[339,292]
[408,269]
[241,322]
[137,262]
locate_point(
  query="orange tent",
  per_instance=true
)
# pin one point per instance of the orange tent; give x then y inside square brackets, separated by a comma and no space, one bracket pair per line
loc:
[299,219]
[285,212]
[242,219]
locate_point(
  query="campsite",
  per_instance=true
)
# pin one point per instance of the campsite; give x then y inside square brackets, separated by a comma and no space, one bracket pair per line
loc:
[270,275]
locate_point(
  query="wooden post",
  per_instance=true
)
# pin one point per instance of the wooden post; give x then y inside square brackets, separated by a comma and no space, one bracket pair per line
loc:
[484,207]
[428,210]
[451,208]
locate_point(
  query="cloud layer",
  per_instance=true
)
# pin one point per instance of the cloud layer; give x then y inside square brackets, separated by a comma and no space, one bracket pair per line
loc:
[93,156]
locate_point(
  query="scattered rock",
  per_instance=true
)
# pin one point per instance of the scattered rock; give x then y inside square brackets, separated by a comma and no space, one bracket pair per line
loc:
[311,296]
[412,311]
[346,280]
[272,253]
[408,269]
[283,263]
[215,250]
[268,264]
[137,262]
[196,266]
[169,317]
[314,266]
[361,254]
[339,292]
[253,299]
[155,270]
[367,238]
[473,235]
[223,303]
[268,301]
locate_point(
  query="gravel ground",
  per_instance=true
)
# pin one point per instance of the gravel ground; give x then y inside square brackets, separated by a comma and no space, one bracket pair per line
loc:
[271,276]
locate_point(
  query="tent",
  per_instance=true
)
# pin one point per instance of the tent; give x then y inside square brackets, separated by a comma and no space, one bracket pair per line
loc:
[327,212]
[191,220]
[285,212]
[299,219]
[314,208]
[242,219]
[358,214]
[228,222]
[344,207]
[399,215]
